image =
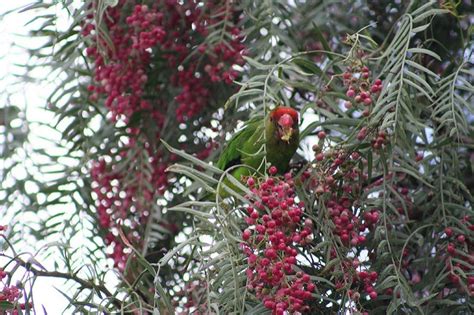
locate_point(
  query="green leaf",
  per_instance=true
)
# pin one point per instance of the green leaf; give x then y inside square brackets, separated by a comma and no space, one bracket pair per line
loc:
[192,159]
[5,305]
[307,66]
[424,51]
[322,39]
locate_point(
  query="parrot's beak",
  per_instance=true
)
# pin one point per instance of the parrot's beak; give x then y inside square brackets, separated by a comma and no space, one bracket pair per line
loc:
[286,134]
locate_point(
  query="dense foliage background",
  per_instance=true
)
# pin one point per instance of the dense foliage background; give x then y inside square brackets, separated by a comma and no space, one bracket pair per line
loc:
[374,217]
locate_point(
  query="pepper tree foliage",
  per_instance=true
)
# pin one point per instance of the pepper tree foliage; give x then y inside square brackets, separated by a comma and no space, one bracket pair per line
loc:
[375,215]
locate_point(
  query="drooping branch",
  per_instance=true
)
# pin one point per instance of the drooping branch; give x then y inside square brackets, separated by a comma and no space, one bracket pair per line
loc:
[86,284]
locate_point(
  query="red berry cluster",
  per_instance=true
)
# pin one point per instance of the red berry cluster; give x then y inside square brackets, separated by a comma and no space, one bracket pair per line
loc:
[121,66]
[349,222]
[118,207]
[460,255]
[360,89]
[336,178]
[10,294]
[378,141]
[153,57]
[276,228]
[367,280]
[112,208]
[356,280]
[167,31]
[216,59]
[346,224]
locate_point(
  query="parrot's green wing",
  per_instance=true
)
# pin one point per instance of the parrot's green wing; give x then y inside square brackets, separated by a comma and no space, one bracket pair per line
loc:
[232,153]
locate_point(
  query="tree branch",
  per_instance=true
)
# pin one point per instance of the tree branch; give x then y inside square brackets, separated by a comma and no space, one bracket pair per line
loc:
[100,288]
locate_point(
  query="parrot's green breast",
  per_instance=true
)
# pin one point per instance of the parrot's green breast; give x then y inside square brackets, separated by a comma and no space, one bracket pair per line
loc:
[246,149]
[244,154]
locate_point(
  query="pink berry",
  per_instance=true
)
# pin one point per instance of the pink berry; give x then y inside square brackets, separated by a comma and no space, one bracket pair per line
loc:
[246,235]
[448,231]
[350,93]
[250,182]
[272,170]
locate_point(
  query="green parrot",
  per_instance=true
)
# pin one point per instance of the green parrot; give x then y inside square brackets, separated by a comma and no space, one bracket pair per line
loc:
[245,148]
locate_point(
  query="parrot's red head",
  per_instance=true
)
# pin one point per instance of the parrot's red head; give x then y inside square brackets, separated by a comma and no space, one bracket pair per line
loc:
[285,119]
